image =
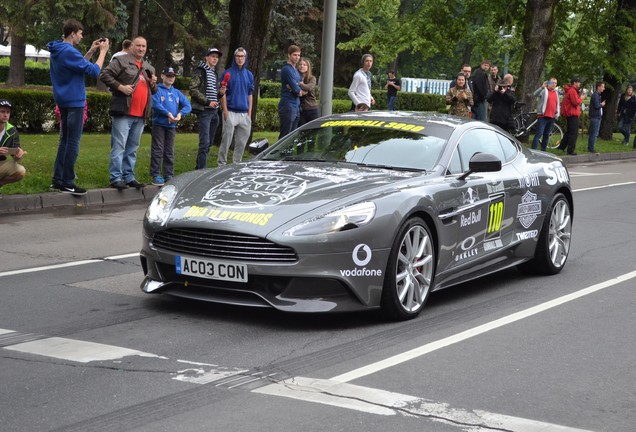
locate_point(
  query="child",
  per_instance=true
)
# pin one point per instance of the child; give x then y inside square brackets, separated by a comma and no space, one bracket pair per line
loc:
[10,170]
[169,106]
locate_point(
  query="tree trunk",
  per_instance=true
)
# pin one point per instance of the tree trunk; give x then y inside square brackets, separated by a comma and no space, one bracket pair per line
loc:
[249,21]
[134,31]
[538,32]
[625,12]
[16,66]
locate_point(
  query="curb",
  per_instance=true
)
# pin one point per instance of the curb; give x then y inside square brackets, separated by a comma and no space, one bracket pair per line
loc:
[93,197]
[102,197]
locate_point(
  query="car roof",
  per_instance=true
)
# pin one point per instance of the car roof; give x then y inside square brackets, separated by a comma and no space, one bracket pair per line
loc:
[412,117]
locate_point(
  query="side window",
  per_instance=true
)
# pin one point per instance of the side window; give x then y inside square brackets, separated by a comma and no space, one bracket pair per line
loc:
[455,166]
[479,141]
[510,148]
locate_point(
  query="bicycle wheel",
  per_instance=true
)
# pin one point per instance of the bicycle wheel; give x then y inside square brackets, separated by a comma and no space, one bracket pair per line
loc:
[556,136]
[523,122]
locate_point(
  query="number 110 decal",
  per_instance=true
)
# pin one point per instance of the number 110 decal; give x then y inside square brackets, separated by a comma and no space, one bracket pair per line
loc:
[495,217]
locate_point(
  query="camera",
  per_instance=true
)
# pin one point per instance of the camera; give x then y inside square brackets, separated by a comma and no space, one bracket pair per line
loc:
[102,39]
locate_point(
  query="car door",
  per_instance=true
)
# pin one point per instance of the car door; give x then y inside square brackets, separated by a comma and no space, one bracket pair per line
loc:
[482,214]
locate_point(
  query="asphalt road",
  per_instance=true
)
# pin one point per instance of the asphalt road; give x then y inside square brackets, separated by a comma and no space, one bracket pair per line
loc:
[82,349]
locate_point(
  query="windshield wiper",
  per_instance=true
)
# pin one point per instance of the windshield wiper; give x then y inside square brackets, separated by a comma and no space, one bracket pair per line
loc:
[390,167]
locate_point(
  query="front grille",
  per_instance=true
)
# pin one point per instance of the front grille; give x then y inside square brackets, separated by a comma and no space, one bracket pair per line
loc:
[224,245]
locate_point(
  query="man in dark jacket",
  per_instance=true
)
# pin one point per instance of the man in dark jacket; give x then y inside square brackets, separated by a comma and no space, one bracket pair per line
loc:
[503,100]
[596,113]
[132,82]
[205,92]
[480,92]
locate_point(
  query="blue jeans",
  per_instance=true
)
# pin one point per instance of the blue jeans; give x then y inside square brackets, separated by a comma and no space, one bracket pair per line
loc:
[72,123]
[208,122]
[625,127]
[544,127]
[480,111]
[391,103]
[289,117]
[124,142]
[595,126]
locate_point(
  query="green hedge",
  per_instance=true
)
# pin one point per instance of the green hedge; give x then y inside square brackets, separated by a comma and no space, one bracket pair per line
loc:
[34,109]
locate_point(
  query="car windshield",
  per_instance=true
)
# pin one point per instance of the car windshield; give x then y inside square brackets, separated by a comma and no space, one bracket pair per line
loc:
[368,146]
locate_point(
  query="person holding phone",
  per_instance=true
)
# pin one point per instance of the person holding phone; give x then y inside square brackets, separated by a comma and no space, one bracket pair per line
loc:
[392,86]
[132,81]
[548,111]
[502,100]
[68,68]
[460,98]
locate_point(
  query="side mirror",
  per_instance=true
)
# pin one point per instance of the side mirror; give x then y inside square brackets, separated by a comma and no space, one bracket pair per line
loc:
[257,147]
[482,162]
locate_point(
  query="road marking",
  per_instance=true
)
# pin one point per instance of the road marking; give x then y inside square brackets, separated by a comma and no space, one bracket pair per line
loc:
[68,264]
[77,351]
[586,174]
[603,187]
[382,402]
[476,331]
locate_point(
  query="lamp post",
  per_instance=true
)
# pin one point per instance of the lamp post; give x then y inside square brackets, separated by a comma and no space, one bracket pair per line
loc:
[506,38]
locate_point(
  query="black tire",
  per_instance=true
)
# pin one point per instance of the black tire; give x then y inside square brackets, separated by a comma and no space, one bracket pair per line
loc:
[553,246]
[409,272]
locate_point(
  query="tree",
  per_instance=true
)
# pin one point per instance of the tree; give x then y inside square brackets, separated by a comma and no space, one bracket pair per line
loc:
[537,36]
[249,20]
[31,19]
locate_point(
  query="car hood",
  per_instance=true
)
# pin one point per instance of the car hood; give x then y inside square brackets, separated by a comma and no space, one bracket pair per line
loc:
[260,196]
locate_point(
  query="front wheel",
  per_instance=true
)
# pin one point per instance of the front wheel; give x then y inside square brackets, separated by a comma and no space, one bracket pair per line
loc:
[556,136]
[553,246]
[410,271]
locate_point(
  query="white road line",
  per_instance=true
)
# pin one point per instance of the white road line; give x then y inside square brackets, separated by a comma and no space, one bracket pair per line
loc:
[382,402]
[603,187]
[77,351]
[476,331]
[68,264]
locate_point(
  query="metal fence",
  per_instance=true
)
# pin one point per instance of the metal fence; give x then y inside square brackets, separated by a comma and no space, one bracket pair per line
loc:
[425,85]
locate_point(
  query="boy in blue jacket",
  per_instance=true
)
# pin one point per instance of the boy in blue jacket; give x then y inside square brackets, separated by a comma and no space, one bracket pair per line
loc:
[169,106]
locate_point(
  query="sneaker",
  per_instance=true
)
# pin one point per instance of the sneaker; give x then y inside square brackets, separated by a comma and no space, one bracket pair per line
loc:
[136,184]
[55,186]
[158,181]
[119,184]
[168,178]
[73,190]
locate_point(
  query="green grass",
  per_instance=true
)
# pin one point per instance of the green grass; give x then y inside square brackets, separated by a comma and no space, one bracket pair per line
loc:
[92,165]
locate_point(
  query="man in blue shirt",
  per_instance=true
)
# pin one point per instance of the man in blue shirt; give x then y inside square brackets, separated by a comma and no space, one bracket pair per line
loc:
[289,105]
[237,107]
[68,68]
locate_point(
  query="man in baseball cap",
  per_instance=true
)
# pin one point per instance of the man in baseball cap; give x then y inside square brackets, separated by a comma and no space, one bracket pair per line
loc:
[214,51]
[10,170]
[206,94]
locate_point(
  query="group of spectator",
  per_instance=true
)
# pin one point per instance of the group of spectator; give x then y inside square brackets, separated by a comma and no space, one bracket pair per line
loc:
[136,92]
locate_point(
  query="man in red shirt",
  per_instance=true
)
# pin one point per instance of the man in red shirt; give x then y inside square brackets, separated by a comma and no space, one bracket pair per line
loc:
[132,81]
[547,112]
[571,110]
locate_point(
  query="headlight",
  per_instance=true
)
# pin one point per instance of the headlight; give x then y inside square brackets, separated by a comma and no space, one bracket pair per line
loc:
[159,208]
[343,219]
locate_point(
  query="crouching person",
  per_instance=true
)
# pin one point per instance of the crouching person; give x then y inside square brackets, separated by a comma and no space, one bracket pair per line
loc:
[10,170]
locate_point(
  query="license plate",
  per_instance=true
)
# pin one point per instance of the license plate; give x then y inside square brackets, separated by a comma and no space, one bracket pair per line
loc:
[211,269]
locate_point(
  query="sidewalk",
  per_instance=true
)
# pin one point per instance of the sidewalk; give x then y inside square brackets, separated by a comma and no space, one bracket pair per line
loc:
[101,197]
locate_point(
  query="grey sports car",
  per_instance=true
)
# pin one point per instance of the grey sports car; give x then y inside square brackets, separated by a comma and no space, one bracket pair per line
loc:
[360,211]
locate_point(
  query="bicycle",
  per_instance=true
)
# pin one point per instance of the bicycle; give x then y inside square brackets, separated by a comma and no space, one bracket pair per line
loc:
[525,123]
